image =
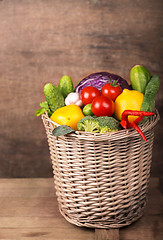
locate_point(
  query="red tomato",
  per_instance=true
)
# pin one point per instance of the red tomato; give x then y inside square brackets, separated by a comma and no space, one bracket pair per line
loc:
[88,94]
[102,106]
[111,91]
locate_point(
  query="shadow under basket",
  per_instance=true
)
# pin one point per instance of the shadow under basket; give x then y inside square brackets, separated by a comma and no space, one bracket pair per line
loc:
[101,179]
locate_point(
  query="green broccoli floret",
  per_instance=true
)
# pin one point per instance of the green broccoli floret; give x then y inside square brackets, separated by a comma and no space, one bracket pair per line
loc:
[108,124]
[98,124]
[89,124]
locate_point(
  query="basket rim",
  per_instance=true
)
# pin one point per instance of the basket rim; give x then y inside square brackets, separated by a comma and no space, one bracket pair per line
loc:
[120,134]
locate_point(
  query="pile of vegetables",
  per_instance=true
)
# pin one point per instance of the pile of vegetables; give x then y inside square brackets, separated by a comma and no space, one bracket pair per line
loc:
[102,102]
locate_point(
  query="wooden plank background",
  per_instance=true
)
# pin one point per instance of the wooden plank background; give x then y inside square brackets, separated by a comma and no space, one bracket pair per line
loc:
[42,40]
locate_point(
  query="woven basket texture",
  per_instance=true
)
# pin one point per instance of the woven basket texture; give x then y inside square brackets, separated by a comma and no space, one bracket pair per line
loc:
[101,180]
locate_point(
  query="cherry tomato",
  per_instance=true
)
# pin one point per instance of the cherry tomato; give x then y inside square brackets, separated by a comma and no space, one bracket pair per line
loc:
[111,91]
[88,94]
[102,106]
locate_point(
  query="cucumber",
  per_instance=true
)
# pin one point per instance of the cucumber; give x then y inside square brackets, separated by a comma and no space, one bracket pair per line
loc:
[65,85]
[139,77]
[53,97]
[151,90]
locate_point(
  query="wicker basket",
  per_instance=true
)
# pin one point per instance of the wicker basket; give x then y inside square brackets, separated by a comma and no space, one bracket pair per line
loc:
[101,180]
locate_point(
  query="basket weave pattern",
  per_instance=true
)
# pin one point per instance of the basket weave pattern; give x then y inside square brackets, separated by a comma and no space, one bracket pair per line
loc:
[101,180]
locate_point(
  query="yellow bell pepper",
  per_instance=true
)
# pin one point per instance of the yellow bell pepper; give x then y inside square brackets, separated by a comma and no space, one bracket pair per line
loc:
[68,115]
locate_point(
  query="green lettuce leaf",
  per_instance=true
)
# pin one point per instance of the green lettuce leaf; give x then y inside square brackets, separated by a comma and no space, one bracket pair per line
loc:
[62,130]
[44,107]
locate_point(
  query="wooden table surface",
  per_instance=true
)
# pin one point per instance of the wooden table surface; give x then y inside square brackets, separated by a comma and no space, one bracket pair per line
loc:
[28,210]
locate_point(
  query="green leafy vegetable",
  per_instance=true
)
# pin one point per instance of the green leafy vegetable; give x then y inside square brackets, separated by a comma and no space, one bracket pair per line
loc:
[62,130]
[44,107]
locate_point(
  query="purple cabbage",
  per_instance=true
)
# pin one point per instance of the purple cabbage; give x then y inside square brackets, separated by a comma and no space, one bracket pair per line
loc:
[99,79]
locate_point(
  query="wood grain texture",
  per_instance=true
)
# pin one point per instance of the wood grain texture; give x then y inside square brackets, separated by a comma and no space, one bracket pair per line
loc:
[32,213]
[42,40]
[103,234]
